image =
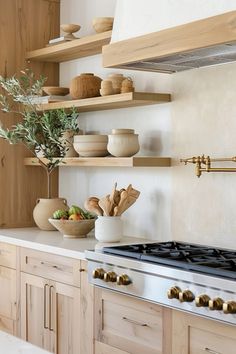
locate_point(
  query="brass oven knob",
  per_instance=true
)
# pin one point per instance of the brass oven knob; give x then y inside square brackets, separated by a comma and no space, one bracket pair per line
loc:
[173,293]
[229,307]
[202,300]
[98,273]
[216,304]
[110,277]
[123,279]
[186,296]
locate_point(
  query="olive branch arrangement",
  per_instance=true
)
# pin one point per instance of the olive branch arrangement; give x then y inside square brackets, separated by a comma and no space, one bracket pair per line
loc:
[39,131]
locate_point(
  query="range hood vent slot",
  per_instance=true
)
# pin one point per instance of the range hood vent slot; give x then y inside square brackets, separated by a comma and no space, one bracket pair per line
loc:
[214,44]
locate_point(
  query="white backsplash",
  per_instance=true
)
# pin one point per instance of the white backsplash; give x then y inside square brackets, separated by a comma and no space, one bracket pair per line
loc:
[201,119]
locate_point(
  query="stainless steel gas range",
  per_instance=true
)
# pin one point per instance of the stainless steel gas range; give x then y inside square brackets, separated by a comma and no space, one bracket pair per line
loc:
[189,277]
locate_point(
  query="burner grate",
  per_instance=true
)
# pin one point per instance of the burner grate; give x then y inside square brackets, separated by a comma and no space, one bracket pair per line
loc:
[209,260]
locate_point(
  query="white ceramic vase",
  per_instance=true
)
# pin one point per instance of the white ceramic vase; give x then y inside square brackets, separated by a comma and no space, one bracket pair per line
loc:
[108,228]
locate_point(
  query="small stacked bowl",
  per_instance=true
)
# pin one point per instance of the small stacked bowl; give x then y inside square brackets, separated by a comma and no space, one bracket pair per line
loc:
[123,143]
[91,145]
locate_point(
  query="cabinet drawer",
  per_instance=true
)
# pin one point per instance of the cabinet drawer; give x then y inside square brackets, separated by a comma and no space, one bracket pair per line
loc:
[7,255]
[50,266]
[101,348]
[205,342]
[8,303]
[131,325]
[7,325]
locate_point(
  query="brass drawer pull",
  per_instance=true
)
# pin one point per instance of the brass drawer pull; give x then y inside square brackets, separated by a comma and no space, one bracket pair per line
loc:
[135,322]
[208,350]
[45,306]
[50,308]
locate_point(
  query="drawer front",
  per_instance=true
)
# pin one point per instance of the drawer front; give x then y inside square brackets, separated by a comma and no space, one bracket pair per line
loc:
[7,325]
[7,255]
[63,269]
[207,342]
[129,324]
[101,348]
[8,299]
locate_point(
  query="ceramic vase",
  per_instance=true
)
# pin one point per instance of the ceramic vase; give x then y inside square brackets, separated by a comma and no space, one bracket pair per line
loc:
[44,210]
[85,86]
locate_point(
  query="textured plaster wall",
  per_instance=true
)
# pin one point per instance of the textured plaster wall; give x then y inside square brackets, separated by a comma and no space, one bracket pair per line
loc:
[201,119]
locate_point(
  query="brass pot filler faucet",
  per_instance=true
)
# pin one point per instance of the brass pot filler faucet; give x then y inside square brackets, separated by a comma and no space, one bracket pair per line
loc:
[206,161]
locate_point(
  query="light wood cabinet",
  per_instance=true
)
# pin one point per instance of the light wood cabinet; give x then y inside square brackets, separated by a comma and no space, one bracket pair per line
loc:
[50,314]
[125,325]
[56,303]
[9,303]
[196,335]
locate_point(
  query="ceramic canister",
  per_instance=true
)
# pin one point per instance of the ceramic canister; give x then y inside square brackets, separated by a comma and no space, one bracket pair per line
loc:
[108,228]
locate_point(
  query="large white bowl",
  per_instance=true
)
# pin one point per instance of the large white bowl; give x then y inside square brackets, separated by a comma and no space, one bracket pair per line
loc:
[123,145]
[91,145]
[73,228]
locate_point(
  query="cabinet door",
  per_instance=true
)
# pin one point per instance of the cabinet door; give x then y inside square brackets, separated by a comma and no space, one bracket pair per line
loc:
[35,310]
[195,335]
[8,303]
[64,320]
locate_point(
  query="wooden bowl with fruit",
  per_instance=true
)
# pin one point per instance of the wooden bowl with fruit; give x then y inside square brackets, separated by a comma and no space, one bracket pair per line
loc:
[73,223]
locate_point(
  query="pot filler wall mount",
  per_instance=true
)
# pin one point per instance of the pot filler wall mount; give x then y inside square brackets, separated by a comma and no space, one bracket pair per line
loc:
[193,278]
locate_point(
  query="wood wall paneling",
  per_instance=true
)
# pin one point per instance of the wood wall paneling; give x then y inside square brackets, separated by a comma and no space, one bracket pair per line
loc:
[24,25]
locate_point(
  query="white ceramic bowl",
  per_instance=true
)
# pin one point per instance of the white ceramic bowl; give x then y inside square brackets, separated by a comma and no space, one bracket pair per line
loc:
[123,145]
[91,145]
[73,228]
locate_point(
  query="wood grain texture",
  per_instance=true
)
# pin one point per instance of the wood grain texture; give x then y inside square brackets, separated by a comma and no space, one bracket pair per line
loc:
[124,100]
[129,325]
[78,48]
[26,24]
[204,33]
[193,335]
[52,266]
[136,161]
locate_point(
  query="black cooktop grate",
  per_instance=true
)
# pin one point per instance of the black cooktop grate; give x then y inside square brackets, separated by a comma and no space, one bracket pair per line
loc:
[204,259]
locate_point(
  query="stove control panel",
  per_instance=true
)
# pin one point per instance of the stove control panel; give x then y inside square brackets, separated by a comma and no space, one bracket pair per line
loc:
[111,277]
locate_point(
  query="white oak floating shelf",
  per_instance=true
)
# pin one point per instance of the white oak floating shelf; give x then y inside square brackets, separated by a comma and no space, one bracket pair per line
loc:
[78,48]
[134,161]
[123,100]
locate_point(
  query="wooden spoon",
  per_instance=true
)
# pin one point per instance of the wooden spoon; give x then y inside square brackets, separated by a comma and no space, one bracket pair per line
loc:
[91,204]
[106,205]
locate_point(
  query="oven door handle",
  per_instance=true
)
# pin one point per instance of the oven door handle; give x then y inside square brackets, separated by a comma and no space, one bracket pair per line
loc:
[135,322]
[211,351]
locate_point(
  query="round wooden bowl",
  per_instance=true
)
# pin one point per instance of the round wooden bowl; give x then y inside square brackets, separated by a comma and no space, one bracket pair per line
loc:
[70,28]
[73,228]
[56,90]
[102,24]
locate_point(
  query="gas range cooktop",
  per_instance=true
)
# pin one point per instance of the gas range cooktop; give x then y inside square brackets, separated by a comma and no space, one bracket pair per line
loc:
[204,259]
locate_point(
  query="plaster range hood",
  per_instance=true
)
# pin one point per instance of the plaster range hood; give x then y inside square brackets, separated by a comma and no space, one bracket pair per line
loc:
[205,42]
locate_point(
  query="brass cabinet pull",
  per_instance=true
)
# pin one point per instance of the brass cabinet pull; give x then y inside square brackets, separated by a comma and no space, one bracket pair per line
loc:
[50,308]
[45,306]
[135,322]
[208,350]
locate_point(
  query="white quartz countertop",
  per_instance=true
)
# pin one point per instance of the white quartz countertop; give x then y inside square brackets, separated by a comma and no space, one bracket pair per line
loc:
[53,241]
[13,345]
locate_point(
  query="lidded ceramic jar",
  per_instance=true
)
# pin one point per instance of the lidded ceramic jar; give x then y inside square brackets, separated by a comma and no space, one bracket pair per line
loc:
[116,80]
[85,85]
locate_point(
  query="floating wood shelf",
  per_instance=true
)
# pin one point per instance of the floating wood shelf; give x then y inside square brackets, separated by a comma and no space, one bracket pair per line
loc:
[123,100]
[135,161]
[70,50]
